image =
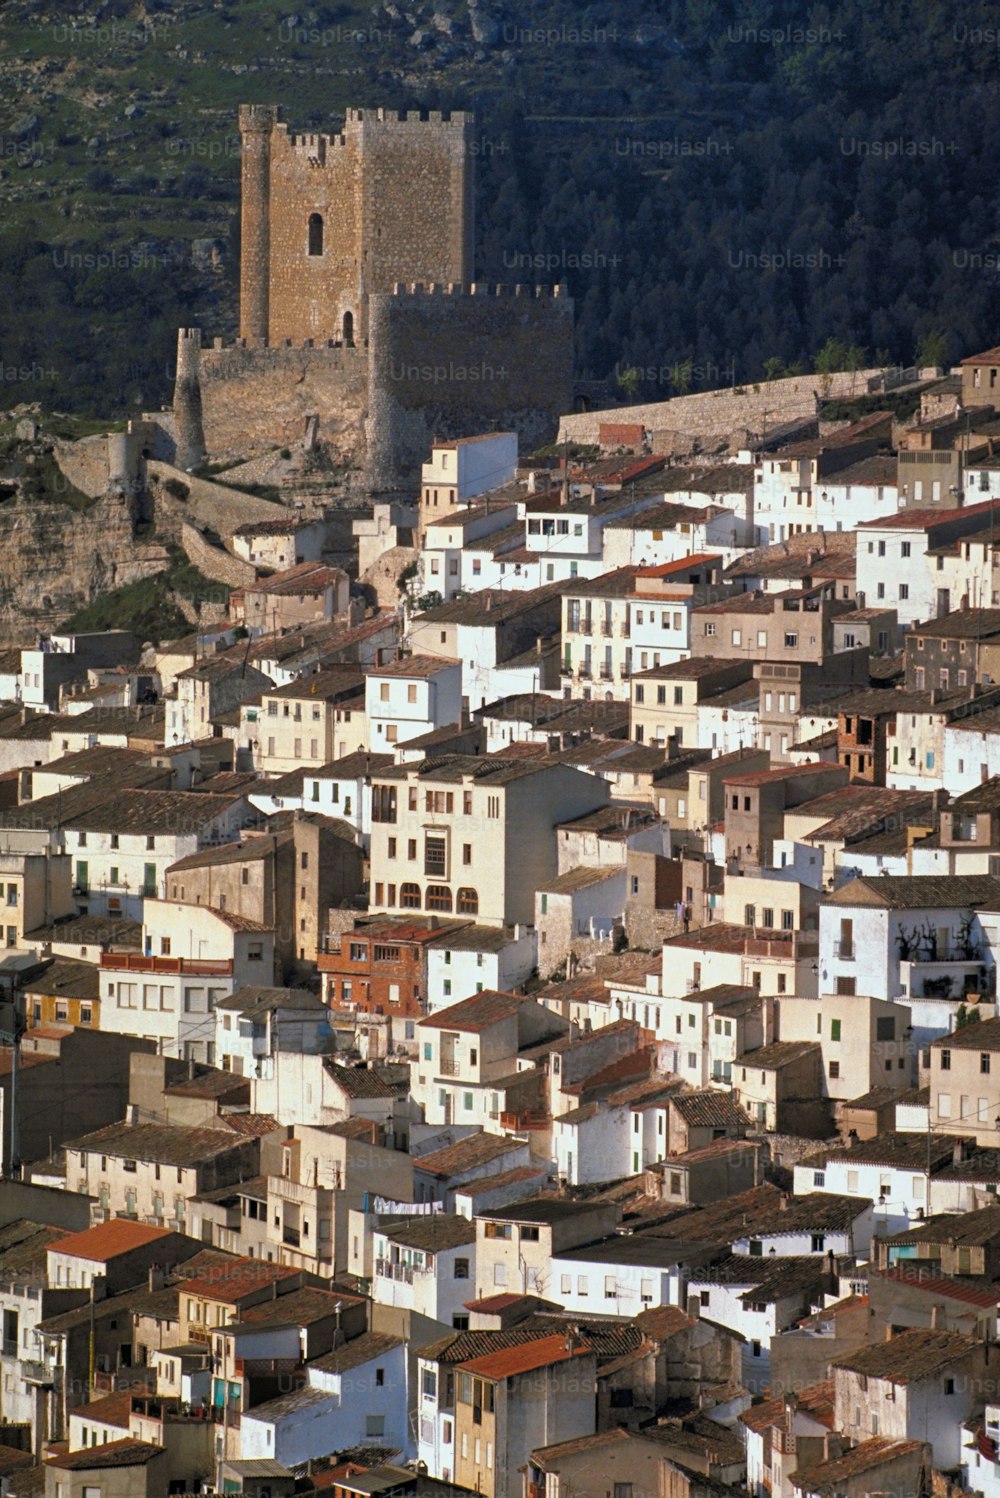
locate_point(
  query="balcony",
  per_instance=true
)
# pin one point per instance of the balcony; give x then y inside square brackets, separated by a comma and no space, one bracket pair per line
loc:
[10,1347]
[41,1374]
[402,1273]
[518,1122]
[291,1237]
[845,951]
[946,977]
[449,1067]
[133,962]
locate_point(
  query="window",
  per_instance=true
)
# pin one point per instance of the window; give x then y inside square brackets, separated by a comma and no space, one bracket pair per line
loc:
[817,1243]
[315,235]
[461,1269]
[834,1071]
[946,1060]
[438,897]
[835,1029]
[984,1062]
[467,902]
[409,896]
[791,639]
[374,1425]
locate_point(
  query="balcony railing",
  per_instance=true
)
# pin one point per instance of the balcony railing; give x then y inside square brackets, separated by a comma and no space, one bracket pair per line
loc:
[35,1372]
[133,962]
[292,1237]
[845,951]
[9,1347]
[449,1066]
[401,1273]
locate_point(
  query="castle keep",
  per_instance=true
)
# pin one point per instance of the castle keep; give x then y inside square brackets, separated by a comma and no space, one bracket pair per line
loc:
[357,306]
[329,219]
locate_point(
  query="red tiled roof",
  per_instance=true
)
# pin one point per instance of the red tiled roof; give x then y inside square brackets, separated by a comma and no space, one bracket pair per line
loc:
[231,1282]
[683,564]
[973,1295]
[508,1362]
[108,1239]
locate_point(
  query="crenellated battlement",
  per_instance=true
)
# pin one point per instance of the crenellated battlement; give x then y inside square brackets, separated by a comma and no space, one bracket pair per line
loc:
[259,118]
[457,118]
[483,289]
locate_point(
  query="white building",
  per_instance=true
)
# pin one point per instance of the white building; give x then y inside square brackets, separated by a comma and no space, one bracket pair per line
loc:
[412,696]
[475,958]
[426,1265]
[192,958]
[355,1396]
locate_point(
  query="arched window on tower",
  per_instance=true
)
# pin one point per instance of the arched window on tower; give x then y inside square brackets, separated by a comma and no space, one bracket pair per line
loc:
[348,329]
[315,234]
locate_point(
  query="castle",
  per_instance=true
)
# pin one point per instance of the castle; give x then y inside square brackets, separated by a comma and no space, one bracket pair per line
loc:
[358,315]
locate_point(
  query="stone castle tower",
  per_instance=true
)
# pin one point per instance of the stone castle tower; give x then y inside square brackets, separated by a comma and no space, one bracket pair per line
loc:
[359,318]
[328,220]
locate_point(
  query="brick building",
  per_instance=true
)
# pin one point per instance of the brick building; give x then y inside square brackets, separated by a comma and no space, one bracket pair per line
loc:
[381,966]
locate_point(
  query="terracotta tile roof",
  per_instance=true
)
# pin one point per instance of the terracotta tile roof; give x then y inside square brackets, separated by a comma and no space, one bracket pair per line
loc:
[834,1475]
[918,1353]
[113,1409]
[475,1013]
[108,1239]
[760,1417]
[543,1352]
[230,1282]
[466,1154]
[915,1278]
[661,1322]
[123,1453]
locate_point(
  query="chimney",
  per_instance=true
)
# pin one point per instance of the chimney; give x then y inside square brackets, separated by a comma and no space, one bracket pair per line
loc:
[156,1278]
[937,1317]
[958,1152]
[784,1201]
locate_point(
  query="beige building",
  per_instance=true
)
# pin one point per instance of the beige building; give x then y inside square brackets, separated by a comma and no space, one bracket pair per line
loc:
[308,723]
[864,1041]
[965,1082]
[515,1245]
[663,703]
[469,836]
[35,883]
[149,1171]
[304,594]
[469,1067]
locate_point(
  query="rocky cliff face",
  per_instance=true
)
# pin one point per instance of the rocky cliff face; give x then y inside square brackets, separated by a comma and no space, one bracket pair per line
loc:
[55,556]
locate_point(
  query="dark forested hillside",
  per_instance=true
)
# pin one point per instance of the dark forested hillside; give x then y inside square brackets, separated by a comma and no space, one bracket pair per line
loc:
[722,187]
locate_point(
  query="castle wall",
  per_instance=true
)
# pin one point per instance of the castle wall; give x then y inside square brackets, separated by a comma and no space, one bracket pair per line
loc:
[205,503]
[211,561]
[451,363]
[255,399]
[715,413]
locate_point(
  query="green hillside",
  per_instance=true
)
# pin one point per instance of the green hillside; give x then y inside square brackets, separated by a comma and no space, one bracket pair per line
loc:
[716,193]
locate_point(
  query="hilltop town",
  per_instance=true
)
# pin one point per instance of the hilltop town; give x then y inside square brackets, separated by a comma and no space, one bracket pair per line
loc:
[502,1000]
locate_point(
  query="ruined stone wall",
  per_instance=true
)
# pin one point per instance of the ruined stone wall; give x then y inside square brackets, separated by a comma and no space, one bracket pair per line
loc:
[84,463]
[205,504]
[450,362]
[215,563]
[255,399]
